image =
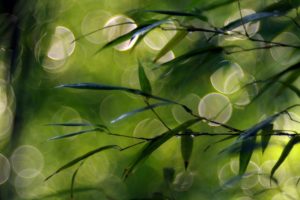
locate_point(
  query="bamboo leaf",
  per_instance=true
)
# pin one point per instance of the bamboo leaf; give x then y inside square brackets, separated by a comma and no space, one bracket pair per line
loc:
[141,30]
[266,136]
[251,18]
[94,86]
[186,149]
[75,134]
[125,115]
[144,81]
[84,156]
[247,148]
[178,13]
[154,144]
[192,53]
[287,149]
[292,88]
[180,35]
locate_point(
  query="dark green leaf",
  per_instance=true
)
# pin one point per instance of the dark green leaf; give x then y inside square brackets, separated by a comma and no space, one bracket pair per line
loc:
[94,86]
[190,54]
[169,175]
[123,116]
[287,149]
[266,136]
[178,13]
[73,179]
[150,147]
[144,81]
[74,134]
[292,88]
[247,148]
[80,158]
[180,35]
[251,18]
[186,149]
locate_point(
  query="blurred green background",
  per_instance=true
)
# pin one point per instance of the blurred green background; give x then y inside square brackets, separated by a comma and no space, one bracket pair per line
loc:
[37,54]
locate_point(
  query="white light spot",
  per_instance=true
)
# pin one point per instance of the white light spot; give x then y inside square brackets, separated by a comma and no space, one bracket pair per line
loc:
[27,161]
[93,21]
[183,181]
[119,30]
[62,44]
[227,78]
[215,106]
[4,169]
[149,128]
[286,55]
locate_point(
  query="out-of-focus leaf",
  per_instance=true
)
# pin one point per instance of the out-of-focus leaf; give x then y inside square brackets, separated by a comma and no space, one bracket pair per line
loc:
[270,81]
[219,141]
[190,54]
[84,156]
[125,115]
[266,136]
[251,18]
[281,6]
[292,88]
[186,149]
[247,148]
[180,35]
[144,81]
[75,134]
[169,174]
[288,81]
[287,149]
[178,13]
[150,147]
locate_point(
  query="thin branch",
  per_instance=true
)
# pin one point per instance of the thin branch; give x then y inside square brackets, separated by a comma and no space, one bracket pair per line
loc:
[242,19]
[156,114]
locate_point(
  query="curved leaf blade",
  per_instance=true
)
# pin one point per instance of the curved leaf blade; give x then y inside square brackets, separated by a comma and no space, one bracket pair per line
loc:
[84,156]
[74,134]
[266,136]
[125,115]
[154,144]
[287,149]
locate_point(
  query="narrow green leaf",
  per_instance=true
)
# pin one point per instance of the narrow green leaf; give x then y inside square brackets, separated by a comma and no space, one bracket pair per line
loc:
[75,134]
[125,115]
[154,144]
[292,88]
[251,18]
[192,53]
[135,33]
[186,149]
[247,148]
[77,124]
[144,81]
[94,86]
[266,136]
[180,35]
[84,156]
[178,13]
[73,180]
[287,149]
